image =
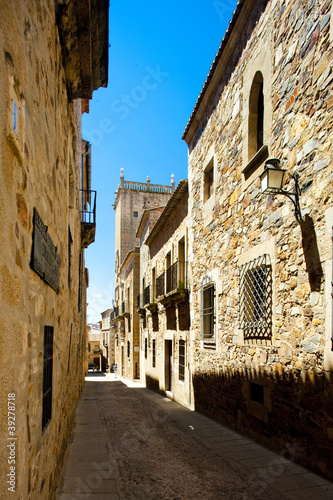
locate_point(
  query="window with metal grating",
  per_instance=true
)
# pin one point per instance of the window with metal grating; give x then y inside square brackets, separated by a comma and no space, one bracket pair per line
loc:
[154,354]
[255,298]
[47,376]
[181,360]
[208,312]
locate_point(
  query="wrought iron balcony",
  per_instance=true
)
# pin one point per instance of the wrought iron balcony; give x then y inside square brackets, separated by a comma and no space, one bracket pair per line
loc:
[88,217]
[160,281]
[126,310]
[176,277]
[175,283]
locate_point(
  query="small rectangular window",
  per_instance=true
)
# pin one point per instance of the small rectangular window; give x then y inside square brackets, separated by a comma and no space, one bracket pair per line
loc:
[70,242]
[208,312]
[209,180]
[47,376]
[146,348]
[181,360]
[79,295]
[135,214]
[154,354]
[128,348]
[257,393]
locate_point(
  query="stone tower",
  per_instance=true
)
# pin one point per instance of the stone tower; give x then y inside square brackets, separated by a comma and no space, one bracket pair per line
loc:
[132,199]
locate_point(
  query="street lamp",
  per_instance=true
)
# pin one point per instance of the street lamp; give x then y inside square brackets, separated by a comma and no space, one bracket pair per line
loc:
[271,183]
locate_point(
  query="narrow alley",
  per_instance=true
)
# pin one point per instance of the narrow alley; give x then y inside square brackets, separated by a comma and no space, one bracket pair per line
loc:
[131,443]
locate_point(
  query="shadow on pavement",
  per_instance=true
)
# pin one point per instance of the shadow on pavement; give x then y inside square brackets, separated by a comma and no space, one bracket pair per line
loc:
[95,374]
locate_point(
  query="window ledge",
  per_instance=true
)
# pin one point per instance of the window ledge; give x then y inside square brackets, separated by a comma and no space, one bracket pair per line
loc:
[209,344]
[257,159]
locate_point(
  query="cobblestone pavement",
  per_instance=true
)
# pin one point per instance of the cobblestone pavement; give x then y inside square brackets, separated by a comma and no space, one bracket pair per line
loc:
[158,458]
[130,443]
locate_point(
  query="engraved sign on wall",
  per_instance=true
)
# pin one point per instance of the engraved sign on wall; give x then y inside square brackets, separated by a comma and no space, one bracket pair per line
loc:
[45,258]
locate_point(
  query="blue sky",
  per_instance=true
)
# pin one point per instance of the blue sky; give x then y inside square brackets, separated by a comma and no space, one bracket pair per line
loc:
[159,58]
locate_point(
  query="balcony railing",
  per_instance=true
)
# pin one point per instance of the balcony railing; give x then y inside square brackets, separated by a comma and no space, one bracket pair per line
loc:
[88,212]
[160,285]
[88,217]
[176,276]
[116,312]
[146,295]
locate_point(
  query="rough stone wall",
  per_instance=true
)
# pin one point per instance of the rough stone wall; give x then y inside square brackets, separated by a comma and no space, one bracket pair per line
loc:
[290,43]
[39,167]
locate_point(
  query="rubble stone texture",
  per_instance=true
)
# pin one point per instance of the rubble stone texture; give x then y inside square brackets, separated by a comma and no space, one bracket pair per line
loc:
[290,43]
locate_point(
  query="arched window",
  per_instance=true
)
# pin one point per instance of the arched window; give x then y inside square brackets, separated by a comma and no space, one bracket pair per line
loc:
[256,115]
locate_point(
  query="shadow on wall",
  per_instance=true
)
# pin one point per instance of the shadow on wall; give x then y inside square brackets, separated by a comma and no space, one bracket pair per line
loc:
[311,254]
[152,383]
[290,414]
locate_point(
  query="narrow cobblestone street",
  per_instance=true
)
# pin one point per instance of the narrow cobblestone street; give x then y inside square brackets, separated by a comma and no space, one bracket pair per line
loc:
[130,443]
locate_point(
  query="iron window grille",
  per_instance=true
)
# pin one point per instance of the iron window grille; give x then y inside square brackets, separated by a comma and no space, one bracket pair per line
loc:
[208,312]
[47,376]
[255,298]
[181,360]
[154,353]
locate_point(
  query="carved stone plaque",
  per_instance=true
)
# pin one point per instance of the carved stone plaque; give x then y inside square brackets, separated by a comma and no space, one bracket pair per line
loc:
[45,258]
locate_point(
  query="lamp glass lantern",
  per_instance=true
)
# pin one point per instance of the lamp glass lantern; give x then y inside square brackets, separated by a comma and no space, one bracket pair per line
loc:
[271,179]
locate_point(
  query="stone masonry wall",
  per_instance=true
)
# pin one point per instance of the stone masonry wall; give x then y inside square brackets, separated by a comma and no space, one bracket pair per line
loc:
[165,323]
[40,153]
[289,42]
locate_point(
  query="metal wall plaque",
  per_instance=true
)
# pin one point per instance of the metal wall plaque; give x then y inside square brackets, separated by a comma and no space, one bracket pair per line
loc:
[45,258]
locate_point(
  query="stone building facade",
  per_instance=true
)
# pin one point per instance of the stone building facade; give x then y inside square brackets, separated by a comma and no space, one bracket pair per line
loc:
[44,231]
[107,339]
[261,304]
[248,339]
[95,352]
[132,199]
[164,298]
[127,319]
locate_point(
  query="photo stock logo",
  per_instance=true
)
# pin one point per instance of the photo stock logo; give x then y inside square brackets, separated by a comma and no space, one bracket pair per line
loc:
[224,8]
[122,107]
